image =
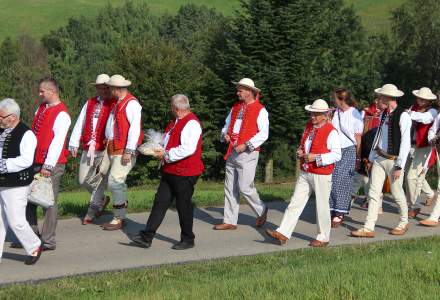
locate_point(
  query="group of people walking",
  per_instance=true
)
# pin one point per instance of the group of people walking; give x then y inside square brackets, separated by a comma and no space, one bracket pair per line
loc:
[332,152]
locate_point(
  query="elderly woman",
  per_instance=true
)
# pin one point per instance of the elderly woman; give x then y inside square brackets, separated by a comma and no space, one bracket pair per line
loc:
[319,150]
[348,122]
[17,149]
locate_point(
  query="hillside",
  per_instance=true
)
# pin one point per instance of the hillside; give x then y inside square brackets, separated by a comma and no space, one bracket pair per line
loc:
[37,17]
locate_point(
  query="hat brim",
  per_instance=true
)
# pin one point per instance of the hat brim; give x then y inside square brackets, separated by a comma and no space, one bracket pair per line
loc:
[125,84]
[95,83]
[311,109]
[431,98]
[246,86]
[396,95]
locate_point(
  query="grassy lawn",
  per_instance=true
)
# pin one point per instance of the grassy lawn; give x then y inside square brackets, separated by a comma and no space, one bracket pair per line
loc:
[141,198]
[389,270]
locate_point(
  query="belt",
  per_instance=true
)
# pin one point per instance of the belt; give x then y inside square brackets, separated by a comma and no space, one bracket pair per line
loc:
[382,153]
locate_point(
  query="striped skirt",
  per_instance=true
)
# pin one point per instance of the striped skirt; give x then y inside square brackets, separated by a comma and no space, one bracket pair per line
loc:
[342,181]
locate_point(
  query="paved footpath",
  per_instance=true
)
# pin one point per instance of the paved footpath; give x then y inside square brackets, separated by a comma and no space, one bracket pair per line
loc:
[88,249]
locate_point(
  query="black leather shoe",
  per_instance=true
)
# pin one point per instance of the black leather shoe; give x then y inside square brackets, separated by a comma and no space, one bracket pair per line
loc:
[31,260]
[16,245]
[48,248]
[182,245]
[141,241]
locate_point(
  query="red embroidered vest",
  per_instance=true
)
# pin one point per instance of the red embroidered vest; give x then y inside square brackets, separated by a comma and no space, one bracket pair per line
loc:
[421,130]
[249,126]
[372,117]
[87,133]
[191,165]
[121,124]
[42,126]
[318,146]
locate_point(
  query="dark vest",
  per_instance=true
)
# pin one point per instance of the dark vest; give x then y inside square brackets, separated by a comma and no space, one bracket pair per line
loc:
[11,149]
[394,135]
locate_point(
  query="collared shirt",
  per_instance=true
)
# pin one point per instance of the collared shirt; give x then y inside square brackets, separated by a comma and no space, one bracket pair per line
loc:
[189,139]
[262,123]
[405,141]
[351,124]
[333,144]
[133,111]
[75,137]
[424,117]
[28,145]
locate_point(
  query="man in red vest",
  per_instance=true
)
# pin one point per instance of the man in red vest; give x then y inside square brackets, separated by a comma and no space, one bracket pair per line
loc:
[89,134]
[423,115]
[182,166]
[50,125]
[319,150]
[246,129]
[123,134]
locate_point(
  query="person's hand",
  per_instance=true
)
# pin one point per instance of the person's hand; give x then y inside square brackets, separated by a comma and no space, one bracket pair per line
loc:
[240,148]
[125,159]
[358,164]
[159,153]
[396,174]
[45,172]
[227,138]
[299,153]
[311,157]
[74,152]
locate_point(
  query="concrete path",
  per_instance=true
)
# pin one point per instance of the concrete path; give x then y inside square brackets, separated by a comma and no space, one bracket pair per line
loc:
[88,249]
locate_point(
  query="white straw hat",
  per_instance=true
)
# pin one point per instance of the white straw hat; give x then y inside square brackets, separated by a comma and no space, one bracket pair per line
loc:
[389,90]
[318,106]
[101,79]
[424,93]
[247,82]
[118,81]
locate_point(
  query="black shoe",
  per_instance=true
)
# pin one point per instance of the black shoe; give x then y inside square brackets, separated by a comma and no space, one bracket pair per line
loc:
[140,241]
[16,245]
[48,248]
[31,260]
[182,245]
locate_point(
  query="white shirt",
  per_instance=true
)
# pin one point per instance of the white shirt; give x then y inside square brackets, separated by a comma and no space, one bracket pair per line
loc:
[262,123]
[351,124]
[189,139]
[434,128]
[424,117]
[405,141]
[60,129]
[28,144]
[133,111]
[333,144]
[79,125]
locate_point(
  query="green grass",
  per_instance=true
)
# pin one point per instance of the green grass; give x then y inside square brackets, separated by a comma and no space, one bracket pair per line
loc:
[389,270]
[38,17]
[141,198]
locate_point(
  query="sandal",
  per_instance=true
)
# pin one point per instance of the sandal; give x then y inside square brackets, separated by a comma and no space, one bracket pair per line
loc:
[337,221]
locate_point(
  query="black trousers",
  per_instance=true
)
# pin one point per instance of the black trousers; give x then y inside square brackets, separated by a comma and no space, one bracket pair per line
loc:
[172,187]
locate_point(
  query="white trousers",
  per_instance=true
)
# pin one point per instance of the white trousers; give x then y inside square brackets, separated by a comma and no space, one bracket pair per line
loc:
[97,194]
[382,168]
[305,185]
[239,178]
[416,184]
[13,203]
[435,214]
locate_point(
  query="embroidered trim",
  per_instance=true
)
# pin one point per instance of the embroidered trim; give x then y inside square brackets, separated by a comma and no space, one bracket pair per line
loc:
[318,159]
[166,156]
[3,168]
[130,151]
[47,167]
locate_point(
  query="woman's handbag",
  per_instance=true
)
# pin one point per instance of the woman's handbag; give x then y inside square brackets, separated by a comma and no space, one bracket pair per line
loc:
[41,191]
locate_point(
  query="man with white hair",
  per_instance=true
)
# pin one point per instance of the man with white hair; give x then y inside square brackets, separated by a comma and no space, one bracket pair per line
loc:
[246,129]
[388,155]
[17,148]
[123,134]
[89,134]
[182,166]
[50,126]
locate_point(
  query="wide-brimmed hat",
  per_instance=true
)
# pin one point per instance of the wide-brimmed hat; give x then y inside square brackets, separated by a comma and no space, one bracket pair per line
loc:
[318,106]
[425,93]
[248,83]
[101,79]
[389,90]
[118,81]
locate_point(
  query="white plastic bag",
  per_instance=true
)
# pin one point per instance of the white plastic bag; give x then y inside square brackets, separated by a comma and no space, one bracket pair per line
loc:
[41,192]
[153,142]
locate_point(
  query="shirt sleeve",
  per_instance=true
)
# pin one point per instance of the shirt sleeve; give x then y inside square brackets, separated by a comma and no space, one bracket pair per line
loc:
[26,158]
[134,112]
[358,122]
[433,130]
[424,117]
[60,129]
[334,144]
[78,128]
[405,141]
[263,129]
[226,126]
[189,139]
